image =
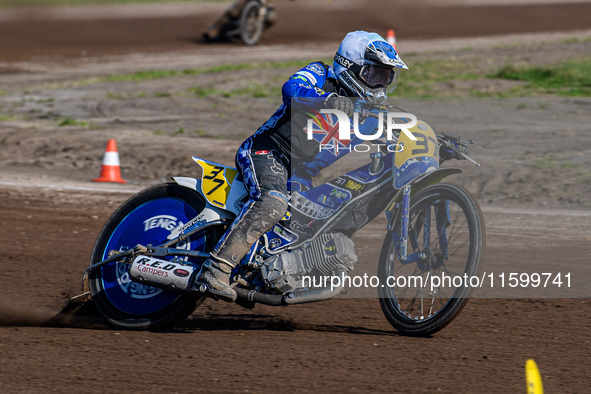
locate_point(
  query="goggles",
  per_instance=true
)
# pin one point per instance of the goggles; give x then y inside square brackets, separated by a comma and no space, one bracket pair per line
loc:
[376,76]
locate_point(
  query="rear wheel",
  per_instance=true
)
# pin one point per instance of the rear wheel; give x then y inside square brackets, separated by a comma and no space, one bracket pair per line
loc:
[447,227]
[146,218]
[251,23]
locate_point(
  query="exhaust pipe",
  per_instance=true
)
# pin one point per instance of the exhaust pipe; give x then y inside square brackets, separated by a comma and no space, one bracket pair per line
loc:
[319,294]
[301,296]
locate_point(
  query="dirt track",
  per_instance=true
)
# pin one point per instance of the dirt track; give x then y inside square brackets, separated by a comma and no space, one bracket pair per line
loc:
[38,38]
[47,234]
[343,344]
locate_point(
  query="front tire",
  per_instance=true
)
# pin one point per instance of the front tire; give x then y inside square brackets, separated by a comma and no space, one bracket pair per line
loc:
[146,218]
[447,226]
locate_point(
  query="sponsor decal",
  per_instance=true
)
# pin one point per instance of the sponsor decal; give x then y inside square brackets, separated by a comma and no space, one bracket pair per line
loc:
[315,68]
[274,243]
[330,248]
[152,270]
[308,76]
[319,91]
[282,233]
[166,222]
[154,267]
[356,187]
[181,272]
[343,61]
[275,167]
[262,152]
[339,194]
[139,290]
[133,289]
[310,208]
[196,221]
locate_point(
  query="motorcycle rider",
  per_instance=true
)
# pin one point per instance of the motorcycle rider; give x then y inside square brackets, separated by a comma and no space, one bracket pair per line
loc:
[365,65]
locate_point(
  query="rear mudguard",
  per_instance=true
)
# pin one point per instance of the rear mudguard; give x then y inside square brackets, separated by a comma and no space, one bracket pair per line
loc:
[210,214]
[223,192]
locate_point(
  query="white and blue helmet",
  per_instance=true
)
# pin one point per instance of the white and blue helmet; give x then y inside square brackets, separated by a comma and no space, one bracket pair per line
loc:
[365,66]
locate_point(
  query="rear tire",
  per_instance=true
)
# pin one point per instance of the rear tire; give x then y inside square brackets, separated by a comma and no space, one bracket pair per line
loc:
[251,24]
[414,310]
[146,218]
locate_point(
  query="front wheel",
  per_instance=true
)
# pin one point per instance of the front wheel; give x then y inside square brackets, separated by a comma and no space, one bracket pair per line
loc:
[146,218]
[446,229]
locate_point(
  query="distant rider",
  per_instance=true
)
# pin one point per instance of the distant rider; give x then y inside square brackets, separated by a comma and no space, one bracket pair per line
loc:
[365,65]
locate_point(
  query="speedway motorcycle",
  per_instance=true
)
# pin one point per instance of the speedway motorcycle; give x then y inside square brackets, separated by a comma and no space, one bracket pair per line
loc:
[151,248]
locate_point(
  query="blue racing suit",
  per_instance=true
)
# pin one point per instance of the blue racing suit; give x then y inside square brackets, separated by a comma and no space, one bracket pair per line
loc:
[266,158]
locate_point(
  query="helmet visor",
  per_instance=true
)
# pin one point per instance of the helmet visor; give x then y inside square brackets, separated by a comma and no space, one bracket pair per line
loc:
[376,76]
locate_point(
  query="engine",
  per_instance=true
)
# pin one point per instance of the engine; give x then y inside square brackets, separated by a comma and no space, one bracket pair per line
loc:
[283,272]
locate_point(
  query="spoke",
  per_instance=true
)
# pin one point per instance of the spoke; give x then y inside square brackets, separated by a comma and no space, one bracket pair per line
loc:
[424,236]
[458,248]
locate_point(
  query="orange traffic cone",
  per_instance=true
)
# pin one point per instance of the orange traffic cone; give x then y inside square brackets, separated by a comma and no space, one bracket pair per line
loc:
[110,171]
[392,38]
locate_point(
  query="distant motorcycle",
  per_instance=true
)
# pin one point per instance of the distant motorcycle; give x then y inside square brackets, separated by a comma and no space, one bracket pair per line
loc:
[151,248]
[246,19]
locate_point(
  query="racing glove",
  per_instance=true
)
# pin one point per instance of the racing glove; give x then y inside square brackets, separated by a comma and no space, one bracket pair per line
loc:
[341,103]
[446,153]
[300,181]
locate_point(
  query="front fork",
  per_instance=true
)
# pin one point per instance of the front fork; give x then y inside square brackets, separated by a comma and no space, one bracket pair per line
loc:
[402,253]
[401,235]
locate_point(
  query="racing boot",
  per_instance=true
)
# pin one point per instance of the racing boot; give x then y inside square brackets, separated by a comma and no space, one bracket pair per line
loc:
[214,279]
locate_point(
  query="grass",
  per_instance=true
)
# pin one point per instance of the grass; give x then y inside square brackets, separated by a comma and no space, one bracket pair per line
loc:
[550,161]
[149,75]
[119,96]
[546,162]
[432,77]
[570,78]
[575,40]
[584,176]
[425,76]
[254,90]
[201,91]
[71,122]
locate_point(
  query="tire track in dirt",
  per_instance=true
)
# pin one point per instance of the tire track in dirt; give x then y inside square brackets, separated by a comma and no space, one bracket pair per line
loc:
[297,24]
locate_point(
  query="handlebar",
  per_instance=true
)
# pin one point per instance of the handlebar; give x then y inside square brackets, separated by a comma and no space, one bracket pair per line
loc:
[449,140]
[453,141]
